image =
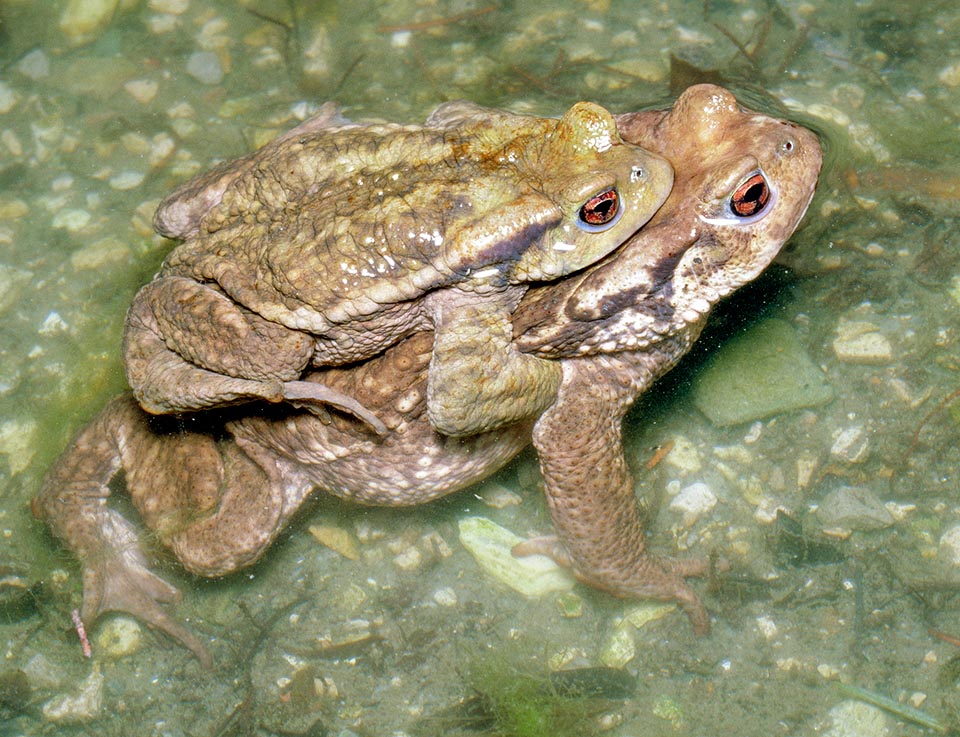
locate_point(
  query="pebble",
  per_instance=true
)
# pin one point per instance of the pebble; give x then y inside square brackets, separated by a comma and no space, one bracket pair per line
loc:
[73,219]
[620,648]
[684,455]
[142,90]
[173,7]
[13,280]
[118,637]
[204,66]
[8,97]
[851,445]
[499,497]
[80,706]
[854,508]
[856,719]
[949,550]
[950,75]
[491,546]
[82,21]
[693,502]
[34,65]
[337,539]
[445,596]
[859,341]
[101,253]
[18,442]
[126,180]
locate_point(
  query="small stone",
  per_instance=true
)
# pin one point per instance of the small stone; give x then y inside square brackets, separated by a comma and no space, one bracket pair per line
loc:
[126,180]
[859,341]
[142,90]
[445,596]
[853,508]
[767,627]
[101,253]
[949,550]
[53,324]
[337,539]
[851,445]
[204,66]
[12,208]
[569,605]
[13,281]
[35,65]
[81,706]
[408,560]
[82,21]
[693,502]
[173,7]
[118,637]
[491,546]
[684,455]
[498,496]
[950,75]
[18,442]
[73,220]
[857,719]
[620,647]
[8,97]
[645,612]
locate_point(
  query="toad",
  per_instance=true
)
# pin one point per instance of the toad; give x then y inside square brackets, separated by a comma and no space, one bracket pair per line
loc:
[338,239]
[217,488]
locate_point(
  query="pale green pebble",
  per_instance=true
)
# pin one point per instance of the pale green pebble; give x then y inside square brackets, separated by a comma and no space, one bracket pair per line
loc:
[117,638]
[82,705]
[619,649]
[669,710]
[641,614]
[856,719]
[955,289]
[126,180]
[569,605]
[18,441]
[8,98]
[491,545]
[72,219]
[100,253]
[13,280]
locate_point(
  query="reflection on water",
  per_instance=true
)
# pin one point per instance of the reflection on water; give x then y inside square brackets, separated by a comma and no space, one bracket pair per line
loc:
[106,106]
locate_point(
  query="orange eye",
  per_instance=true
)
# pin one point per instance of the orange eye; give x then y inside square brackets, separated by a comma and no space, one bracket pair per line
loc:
[600,210]
[751,196]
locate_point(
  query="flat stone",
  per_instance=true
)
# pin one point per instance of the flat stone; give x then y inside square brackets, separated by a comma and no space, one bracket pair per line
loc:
[491,546]
[758,374]
[853,508]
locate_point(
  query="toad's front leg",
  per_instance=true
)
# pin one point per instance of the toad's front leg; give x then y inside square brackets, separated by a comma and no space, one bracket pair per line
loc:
[187,346]
[590,493]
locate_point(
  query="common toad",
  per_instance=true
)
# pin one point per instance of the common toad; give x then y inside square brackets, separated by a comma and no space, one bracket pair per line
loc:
[217,488]
[338,239]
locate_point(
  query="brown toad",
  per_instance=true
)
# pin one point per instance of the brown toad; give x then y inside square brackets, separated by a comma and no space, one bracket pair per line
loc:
[218,490]
[337,240]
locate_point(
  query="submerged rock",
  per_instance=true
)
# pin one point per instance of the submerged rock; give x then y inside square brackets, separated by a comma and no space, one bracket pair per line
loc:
[763,372]
[491,545]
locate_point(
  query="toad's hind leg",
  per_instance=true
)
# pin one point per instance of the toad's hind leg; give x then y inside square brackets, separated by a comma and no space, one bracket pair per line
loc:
[73,501]
[477,380]
[205,498]
[187,346]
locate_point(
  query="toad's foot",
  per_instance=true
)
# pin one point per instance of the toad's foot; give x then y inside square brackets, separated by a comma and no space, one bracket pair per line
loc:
[120,581]
[651,578]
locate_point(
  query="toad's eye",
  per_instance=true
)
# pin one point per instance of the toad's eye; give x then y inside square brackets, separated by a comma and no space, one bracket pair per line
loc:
[600,212]
[751,196]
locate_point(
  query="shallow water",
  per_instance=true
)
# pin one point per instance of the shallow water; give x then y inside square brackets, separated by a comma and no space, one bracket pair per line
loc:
[94,130]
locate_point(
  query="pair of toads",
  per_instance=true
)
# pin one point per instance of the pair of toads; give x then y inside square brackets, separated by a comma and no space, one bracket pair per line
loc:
[400,310]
